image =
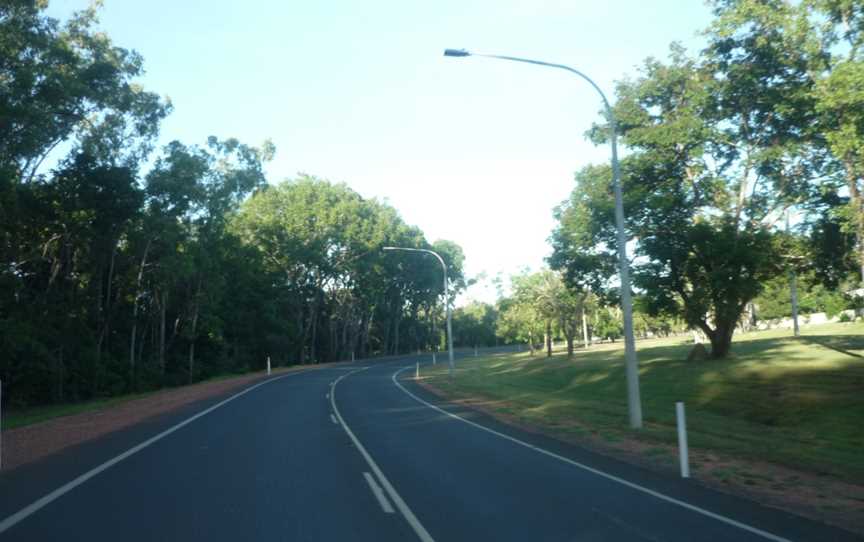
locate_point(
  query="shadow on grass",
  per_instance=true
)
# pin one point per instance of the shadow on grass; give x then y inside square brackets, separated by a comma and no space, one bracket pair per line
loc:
[845,344]
[778,399]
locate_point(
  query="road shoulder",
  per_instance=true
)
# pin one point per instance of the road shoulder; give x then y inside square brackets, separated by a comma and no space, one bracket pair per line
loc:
[630,459]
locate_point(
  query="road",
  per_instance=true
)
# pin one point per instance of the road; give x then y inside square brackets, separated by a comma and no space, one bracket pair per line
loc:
[359,452]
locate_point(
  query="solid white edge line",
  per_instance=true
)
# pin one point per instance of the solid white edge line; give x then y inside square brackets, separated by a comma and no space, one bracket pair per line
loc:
[379,494]
[69,486]
[406,512]
[612,477]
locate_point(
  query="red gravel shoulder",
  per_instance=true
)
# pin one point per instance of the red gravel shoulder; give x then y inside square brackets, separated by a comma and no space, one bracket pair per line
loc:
[26,444]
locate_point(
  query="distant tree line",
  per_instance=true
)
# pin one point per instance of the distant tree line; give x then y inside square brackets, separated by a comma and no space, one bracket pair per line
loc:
[125,269]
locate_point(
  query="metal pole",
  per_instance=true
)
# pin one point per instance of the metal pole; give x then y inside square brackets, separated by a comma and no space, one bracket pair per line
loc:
[634,404]
[682,440]
[449,322]
[793,286]
[793,291]
[1,424]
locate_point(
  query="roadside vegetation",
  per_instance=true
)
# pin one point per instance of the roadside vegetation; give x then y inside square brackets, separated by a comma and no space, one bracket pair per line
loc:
[128,266]
[786,400]
[125,267]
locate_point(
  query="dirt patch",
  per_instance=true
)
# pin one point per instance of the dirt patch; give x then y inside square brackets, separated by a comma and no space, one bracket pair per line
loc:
[815,496]
[26,444]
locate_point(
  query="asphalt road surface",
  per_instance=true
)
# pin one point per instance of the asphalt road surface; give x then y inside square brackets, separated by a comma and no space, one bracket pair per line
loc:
[359,452]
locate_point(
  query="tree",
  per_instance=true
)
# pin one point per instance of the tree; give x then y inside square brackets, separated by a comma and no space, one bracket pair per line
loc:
[716,159]
[474,325]
[519,321]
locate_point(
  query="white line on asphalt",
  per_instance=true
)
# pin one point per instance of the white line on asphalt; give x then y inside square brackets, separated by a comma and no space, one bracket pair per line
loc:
[409,516]
[333,419]
[62,490]
[379,493]
[612,477]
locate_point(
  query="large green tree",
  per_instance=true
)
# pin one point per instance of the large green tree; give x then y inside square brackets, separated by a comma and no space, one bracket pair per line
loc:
[715,160]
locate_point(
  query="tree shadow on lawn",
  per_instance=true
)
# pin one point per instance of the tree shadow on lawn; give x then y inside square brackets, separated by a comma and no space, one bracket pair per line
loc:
[776,399]
[779,399]
[845,344]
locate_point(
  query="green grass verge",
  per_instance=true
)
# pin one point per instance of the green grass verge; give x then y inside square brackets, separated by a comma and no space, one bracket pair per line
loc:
[798,402]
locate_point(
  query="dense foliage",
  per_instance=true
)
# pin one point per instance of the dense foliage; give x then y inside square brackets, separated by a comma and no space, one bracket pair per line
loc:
[765,120]
[123,271]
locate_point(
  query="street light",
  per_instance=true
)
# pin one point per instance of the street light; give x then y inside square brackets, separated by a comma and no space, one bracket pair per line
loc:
[446,298]
[632,365]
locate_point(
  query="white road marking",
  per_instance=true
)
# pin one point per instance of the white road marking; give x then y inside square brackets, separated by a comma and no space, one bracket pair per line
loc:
[333,419]
[637,487]
[409,516]
[66,488]
[379,493]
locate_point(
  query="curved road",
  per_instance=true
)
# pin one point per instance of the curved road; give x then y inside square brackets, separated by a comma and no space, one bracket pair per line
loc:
[358,452]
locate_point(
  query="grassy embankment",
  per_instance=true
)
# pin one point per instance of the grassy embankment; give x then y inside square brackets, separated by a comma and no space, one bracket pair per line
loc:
[794,402]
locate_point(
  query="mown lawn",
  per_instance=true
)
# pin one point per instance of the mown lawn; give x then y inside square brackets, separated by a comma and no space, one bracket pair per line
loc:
[793,401]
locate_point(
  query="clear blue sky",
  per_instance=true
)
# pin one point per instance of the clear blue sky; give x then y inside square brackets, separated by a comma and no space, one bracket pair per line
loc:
[474,150]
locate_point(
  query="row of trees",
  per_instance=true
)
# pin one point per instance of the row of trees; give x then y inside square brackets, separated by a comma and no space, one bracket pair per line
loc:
[121,269]
[542,308]
[768,119]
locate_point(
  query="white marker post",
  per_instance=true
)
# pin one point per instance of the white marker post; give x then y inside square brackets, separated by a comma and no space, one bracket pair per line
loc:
[417,372]
[268,365]
[434,361]
[352,356]
[475,351]
[682,440]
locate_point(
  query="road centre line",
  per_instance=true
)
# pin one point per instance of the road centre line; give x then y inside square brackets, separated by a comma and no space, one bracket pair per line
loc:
[409,516]
[637,487]
[379,494]
[37,505]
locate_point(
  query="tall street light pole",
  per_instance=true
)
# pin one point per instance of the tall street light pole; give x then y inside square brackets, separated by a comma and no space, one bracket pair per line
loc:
[634,403]
[446,298]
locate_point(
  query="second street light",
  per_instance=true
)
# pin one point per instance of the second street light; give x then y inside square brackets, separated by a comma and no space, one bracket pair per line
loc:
[446,298]
[634,403]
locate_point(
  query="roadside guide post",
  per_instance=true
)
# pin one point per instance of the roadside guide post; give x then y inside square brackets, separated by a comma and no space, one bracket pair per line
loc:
[682,440]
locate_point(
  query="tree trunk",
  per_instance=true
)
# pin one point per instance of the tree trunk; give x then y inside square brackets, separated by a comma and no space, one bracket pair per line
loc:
[720,337]
[396,323]
[135,313]
[163,304]
[585,328]
[857,202]
[548,338]
[313,345]
[194,331]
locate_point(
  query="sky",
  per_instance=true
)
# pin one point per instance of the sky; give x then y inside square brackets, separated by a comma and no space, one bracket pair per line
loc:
[474,150]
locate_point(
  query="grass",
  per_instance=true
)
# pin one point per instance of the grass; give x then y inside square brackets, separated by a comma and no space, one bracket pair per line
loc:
[797,402]
[37,414]
[31,415]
